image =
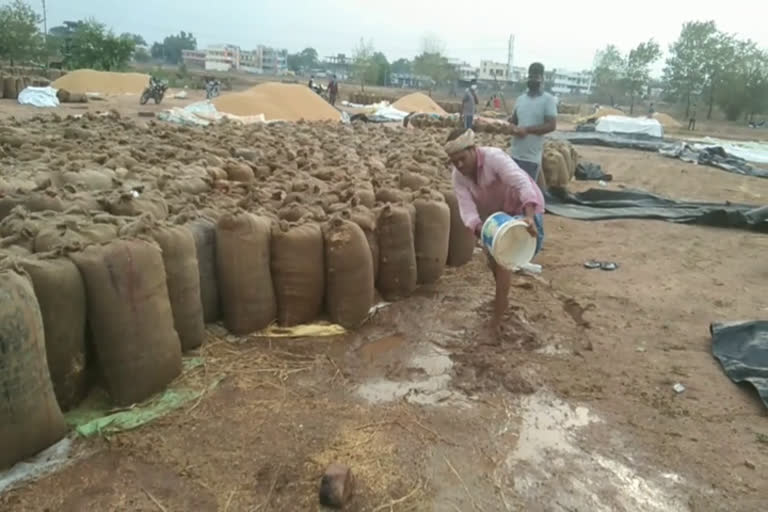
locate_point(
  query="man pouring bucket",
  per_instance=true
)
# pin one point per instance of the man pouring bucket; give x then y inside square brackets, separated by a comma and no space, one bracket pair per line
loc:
[487,180]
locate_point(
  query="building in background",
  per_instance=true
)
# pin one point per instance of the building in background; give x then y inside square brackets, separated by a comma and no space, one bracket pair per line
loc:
[569,82]
[193,58]
[274,60]
[464,70]
[493,71]
[227,57]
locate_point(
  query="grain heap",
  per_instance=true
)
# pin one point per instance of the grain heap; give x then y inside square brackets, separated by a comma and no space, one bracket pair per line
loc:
[105,82]
[418,102]
[178,226]
[666,120]
[284,102]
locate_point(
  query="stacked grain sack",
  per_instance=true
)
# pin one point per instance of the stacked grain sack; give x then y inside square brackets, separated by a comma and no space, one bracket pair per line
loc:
[139,239]
[559,163]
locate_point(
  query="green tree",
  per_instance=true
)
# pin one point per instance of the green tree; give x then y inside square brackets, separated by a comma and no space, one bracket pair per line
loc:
[689,68]
[137,39]
[20,37]
[402,66]
[171,47]
[380,70]
[93,46]
[141,55]
[744,84]
[637,69]
[362,62]
[432,63]
[607,75]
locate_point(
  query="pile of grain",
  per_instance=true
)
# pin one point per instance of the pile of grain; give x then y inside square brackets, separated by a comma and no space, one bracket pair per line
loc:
[666,120]
[601,112]
[419,102]
[87,80]
[285,102]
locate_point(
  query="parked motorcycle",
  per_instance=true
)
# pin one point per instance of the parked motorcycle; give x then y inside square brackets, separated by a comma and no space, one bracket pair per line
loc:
[212,88]
[155,90]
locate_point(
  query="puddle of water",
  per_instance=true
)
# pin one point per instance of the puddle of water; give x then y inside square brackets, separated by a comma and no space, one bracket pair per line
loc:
[428,365]
[548,424]
[548,465]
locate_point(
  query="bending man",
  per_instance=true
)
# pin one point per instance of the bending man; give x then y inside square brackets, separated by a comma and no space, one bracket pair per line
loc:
[486,181]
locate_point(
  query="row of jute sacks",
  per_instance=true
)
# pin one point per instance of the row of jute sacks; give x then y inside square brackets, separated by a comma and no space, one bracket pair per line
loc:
[143,299]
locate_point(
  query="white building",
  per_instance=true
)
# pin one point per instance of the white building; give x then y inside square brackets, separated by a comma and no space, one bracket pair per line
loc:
[465,70]
[493,71]
[228,57]
[570,82]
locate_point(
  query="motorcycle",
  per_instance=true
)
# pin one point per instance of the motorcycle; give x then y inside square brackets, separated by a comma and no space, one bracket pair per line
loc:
[212,88]
[155,90]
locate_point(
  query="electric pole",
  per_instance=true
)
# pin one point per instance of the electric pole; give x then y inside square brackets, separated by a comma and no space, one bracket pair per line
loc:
[45,22]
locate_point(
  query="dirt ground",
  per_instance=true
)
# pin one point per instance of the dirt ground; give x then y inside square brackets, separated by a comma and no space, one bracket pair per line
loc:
[572,409]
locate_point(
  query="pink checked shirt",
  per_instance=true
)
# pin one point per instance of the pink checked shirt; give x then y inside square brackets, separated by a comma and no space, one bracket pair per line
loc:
[501,186]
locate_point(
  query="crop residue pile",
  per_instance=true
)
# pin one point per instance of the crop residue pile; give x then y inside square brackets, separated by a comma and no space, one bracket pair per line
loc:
[285,102]
[87,80]
[419,102]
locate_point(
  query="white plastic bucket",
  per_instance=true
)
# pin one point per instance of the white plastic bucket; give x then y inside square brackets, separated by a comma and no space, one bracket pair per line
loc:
[508,240]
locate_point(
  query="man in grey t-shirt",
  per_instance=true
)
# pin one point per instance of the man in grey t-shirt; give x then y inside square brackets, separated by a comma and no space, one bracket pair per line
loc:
[535,115]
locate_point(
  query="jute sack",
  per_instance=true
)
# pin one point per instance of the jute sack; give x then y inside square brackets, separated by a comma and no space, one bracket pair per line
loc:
[243,268]
[30,418]
[130,317]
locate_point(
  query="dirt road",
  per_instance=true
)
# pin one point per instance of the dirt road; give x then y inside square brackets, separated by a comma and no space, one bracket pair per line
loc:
[571,410]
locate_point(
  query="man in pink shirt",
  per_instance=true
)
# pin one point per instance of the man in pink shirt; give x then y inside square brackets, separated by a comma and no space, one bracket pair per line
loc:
[486,181]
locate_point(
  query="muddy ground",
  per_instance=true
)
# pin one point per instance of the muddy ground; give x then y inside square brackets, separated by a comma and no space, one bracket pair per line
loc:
[572,409]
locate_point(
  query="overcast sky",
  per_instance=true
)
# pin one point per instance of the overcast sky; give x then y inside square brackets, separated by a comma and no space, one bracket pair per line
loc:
[560,33]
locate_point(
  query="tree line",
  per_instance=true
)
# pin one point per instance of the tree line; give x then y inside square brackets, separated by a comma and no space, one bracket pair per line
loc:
[705,68]
[371,67]
[78,44]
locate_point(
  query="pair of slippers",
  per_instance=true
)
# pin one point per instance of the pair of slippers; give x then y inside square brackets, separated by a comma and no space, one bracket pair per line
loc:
[602,265]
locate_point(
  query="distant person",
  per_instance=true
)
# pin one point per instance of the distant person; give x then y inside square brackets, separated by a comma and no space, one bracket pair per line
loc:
[469,105]
[535,115]
[333,90]
[312,82]
[496,102]
[692,119]
[651,111]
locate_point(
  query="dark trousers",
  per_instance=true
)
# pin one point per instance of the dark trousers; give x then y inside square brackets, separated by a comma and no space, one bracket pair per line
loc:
[692,124]
[532,168]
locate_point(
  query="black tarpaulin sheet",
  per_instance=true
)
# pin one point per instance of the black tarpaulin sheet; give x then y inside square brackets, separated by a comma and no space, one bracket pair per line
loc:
[598,204]
[742,349]
[714,156]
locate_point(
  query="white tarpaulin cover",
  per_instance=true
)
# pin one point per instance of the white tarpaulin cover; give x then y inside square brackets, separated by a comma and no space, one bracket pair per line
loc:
[630,125]
[391,113]
[39,97]
[204,113]
[756,152]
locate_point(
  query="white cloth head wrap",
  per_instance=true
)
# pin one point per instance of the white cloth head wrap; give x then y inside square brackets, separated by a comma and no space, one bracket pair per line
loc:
[466,140]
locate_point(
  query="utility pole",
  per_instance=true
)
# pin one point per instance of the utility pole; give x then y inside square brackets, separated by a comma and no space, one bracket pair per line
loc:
[45,22]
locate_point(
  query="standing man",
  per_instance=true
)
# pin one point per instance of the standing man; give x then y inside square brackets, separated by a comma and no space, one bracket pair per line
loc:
[535,115]
[651,111]
[333,90]
[468,105]
[486,181]
[692,119]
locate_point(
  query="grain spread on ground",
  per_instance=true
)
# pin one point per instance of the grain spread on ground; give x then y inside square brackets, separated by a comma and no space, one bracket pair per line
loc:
[601,112]
[87,80]
[278,102]
[419,102]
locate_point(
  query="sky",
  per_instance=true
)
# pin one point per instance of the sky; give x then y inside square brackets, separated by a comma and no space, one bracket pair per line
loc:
[563,34]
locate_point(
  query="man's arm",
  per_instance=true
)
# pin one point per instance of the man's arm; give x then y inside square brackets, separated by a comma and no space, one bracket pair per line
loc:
[467,207]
